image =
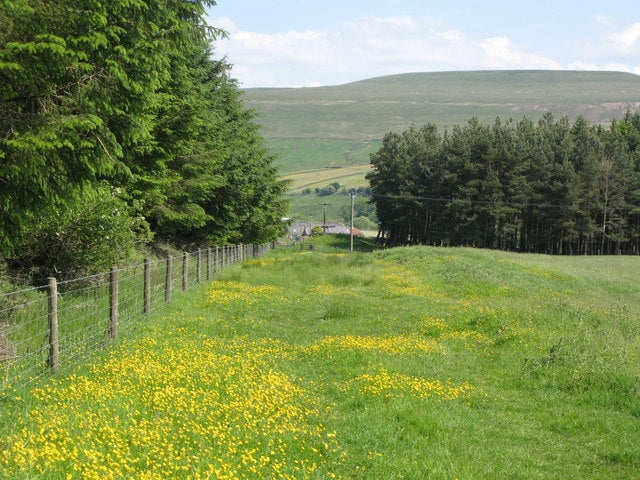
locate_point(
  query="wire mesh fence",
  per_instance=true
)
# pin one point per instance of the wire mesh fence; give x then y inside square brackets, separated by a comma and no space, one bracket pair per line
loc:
[44,327]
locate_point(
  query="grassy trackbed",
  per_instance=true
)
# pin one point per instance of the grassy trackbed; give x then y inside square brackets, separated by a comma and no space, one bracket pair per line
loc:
[414,363]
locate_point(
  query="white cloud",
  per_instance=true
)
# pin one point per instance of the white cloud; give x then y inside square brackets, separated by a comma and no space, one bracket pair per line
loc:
[627,41]
[499,53]
[603,19]
[224,23]
[375,46]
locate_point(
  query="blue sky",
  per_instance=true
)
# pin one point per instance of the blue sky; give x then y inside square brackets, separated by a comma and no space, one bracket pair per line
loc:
[293,43]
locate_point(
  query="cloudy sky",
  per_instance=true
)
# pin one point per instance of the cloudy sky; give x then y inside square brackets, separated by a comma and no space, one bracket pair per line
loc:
[294,43]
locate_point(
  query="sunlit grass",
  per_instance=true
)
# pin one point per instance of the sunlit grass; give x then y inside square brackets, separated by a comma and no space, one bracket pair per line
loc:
[320,178]
[416,363]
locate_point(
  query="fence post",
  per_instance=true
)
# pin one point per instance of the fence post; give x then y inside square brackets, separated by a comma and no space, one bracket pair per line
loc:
[198,266]
[113,303]
[216,259]
[54,346]
[168,281]
[208,263]
[185,271]
[147,285]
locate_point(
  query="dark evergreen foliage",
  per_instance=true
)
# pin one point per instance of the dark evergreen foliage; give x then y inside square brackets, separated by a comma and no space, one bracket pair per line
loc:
[126,93]
[547,187]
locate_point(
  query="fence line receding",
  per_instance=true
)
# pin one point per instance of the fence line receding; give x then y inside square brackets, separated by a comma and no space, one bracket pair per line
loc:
[44,327]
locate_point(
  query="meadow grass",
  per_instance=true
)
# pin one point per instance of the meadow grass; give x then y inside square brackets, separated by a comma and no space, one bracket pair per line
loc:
[306,206]
[416,363]
[348,176]
[304,154]
[83,316]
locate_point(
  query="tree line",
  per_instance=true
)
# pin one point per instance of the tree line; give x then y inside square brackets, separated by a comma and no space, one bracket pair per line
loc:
[118,125]
[549,186]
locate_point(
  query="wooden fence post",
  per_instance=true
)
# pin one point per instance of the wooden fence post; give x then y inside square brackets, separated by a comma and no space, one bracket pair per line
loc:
[199,266]
[147,286]
[216,259]
[185,271]
[208,263]
[113,303]
[54,346]
[168,281]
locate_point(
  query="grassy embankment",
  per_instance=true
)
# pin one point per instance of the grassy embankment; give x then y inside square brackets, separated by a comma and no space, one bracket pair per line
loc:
[404,363]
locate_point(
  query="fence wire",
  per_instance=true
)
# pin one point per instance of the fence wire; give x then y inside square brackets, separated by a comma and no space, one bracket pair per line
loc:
[85,309]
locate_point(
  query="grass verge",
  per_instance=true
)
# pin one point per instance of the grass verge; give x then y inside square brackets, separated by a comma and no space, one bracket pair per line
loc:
[403,363]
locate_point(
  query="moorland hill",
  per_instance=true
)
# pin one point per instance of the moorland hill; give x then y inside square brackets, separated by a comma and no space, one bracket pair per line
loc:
[337,125]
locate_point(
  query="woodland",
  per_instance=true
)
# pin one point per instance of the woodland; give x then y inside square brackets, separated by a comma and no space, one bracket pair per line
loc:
[550,186]
[119,126]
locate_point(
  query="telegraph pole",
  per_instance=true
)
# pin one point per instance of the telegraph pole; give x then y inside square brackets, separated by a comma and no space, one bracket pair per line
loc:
[324,219]
[353,194]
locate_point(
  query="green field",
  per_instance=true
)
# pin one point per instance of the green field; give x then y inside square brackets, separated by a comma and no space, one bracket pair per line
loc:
[307,206]
[414,363]
[314,128]
[297,155]
[348,175]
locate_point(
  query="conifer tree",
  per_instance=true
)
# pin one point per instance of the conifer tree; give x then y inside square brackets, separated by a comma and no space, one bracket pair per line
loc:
[126,94]
[549,187]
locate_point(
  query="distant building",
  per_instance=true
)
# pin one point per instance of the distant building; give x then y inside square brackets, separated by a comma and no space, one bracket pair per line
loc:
[302,230]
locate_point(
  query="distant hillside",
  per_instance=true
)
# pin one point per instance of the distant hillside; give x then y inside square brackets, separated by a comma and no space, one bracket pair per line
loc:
[311,129]
[338,125]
